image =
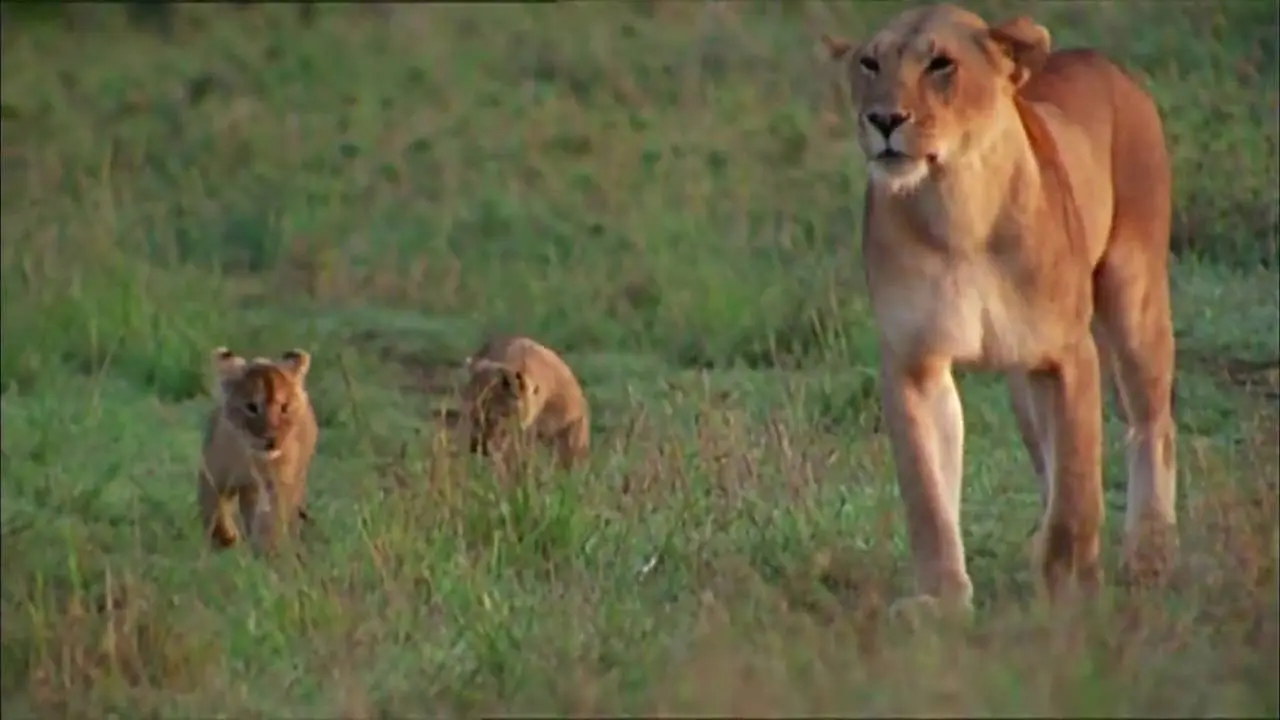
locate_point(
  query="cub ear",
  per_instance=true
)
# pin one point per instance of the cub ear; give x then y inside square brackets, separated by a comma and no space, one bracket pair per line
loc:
[226,364]
[478,365]
[514,381]
[837,47]
[296,362]
[1026,43]
[226,369]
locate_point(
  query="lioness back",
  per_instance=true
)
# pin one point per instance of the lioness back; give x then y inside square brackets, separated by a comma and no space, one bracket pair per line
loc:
[516,380]
[258,445]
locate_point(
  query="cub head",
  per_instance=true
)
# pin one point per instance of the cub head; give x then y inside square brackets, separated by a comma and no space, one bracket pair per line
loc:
[934,87]
[498,392]
[262,399]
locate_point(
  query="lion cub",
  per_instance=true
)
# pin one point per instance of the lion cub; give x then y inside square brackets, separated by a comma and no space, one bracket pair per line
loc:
[519,381]
[257,448]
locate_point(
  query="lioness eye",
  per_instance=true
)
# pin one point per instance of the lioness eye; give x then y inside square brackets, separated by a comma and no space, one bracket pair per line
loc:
[284,408]
[871,65]
[941,63]
[251,408]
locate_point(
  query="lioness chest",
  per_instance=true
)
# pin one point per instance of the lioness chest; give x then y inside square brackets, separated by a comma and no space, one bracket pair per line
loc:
[973,310]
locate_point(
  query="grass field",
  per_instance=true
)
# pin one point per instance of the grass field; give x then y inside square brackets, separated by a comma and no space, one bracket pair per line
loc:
[664,191]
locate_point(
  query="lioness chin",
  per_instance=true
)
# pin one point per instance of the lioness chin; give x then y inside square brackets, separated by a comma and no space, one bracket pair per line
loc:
[1016,220]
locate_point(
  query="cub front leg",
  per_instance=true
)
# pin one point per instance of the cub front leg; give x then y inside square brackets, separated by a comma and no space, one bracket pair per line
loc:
[215,514]
[926,430]
[264,514]
[573,443]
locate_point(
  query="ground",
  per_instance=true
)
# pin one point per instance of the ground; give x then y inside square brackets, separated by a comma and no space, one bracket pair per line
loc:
[666,192]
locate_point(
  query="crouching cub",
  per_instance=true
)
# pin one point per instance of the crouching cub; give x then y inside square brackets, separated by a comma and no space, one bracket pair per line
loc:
[257,448]
[516,381]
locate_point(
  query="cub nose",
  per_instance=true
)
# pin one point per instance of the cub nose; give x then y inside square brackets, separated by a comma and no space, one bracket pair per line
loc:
[269,444]
[887,122]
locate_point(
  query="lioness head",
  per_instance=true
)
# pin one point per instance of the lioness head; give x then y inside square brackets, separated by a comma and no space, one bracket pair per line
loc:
[498,393]
[259,398]
[935,87]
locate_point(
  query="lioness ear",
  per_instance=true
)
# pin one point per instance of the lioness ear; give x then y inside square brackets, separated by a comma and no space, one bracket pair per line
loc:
[1025,42]
[837,47]
[296,362]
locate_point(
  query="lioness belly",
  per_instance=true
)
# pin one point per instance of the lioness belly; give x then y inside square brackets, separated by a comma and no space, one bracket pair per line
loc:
[969,314]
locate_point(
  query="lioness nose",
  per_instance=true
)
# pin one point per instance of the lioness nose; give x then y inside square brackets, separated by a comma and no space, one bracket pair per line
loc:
[269,443]
[887,122]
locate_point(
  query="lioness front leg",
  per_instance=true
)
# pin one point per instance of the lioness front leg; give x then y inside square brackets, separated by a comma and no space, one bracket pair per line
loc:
[926,430]
[1068,397]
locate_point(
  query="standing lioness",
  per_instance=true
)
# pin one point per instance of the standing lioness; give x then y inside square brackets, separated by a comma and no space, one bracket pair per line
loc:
[1015,196]
[258,447]
[518,383]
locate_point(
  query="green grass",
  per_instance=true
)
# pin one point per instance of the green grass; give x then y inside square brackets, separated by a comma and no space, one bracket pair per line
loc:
[659,190]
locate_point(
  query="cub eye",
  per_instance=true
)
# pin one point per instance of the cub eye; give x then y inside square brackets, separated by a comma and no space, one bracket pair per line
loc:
[251,408]
[869,64]
[939,64]
[284,408]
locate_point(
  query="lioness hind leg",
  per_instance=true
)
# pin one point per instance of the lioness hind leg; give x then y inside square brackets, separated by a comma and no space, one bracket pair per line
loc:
[1031,429]
[926,431]
[1068,399]
[478,444]
[1131,303]
[1134,314]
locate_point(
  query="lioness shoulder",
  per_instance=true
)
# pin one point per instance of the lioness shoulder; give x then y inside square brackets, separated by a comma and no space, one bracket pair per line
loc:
[260,439]
[518,381]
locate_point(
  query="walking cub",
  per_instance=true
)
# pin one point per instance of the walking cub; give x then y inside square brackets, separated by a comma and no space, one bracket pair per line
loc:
[257,448]
[517,381]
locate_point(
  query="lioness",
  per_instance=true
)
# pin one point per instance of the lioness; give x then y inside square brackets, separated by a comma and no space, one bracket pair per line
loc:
[257,448]
[1016,197]
[517,380]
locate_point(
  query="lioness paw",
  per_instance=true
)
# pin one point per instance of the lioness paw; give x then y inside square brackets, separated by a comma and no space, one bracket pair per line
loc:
[919,611]
[1149,557]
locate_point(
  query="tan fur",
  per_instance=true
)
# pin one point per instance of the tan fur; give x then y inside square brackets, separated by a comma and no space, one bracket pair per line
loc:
[519,381]
[258,447]
[1022,228]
